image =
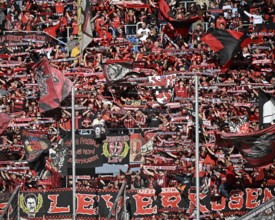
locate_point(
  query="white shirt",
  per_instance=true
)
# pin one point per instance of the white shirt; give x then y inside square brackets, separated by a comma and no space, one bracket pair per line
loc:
[145,32]
[98,122]
[257,19]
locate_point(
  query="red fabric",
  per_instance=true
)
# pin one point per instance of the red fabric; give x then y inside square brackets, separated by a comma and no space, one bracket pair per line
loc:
[4,122]
[213,42]
[59,8]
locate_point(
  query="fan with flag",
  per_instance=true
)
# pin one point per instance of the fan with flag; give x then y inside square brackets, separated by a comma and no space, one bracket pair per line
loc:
[53,85]
[115,70]
[181,26]
[258,147]
[226,43]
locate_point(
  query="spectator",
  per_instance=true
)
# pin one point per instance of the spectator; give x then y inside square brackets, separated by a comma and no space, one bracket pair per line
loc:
[143,32]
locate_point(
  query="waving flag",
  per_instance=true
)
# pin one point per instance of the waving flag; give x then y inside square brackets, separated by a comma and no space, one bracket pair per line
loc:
[266,109]
[87,31]
[62,84]
[163,87]
[226,43]
[181,26]
[117,69]
[35,144]
[53,85]
[258,148]
[4,122]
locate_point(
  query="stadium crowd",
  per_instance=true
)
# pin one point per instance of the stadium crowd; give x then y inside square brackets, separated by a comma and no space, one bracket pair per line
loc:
[137,32]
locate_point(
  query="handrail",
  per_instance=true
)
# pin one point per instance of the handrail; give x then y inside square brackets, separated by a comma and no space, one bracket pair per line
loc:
[9,202]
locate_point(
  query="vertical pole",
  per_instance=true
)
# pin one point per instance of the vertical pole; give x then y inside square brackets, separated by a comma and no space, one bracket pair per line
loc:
[197,148]
[18,206]
[124,205]
[68,41]
[73,154]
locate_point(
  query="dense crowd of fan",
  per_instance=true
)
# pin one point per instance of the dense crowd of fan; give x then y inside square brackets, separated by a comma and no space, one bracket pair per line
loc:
[228,101]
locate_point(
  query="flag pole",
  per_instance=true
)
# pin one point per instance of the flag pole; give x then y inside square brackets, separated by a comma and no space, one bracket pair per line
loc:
[73,154]
[197,147]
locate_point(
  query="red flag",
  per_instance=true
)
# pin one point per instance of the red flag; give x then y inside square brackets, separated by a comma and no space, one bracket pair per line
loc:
[62,84]
[4,122]
[53,86]
[181,26]
[258,148]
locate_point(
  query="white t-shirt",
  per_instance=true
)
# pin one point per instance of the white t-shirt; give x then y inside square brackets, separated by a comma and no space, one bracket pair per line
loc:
[257,19]
[145,32]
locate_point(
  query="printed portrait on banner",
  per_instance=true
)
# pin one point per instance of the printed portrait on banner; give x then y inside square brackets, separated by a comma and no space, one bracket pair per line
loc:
[31,204]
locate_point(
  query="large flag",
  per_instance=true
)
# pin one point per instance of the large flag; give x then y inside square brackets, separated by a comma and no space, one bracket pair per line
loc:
[62,84]
[266,109]
[53,85]
[115,70]
[181,26]
[258,148]
[86,28]
[226,43]
[4,122]
[35,144]
[163,87]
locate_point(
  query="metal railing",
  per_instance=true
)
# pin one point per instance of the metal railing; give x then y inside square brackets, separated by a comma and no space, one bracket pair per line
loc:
[12,210]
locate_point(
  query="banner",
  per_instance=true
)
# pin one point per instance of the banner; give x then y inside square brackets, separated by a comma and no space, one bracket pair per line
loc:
[142,203]
[59,158]
[116,149]
[136,142]
[88,153]
[19,37]
[4,198]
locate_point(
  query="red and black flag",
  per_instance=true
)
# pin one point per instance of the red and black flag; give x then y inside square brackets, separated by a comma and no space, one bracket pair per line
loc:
[181,26]
[4,122]
[87,31]
[266,109]
[53,86]
[226,43]
[258,148]
[62,84]
[163,87]
[115,70]
[35,144]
